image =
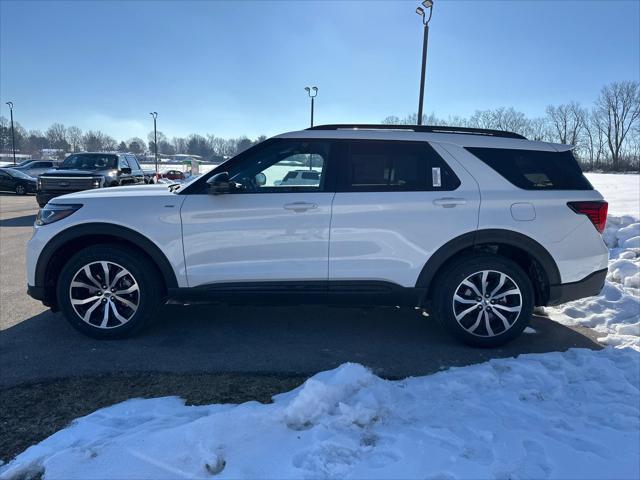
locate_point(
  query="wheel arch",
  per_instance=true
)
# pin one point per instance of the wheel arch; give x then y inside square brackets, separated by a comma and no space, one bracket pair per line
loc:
[67,242]
[536,261]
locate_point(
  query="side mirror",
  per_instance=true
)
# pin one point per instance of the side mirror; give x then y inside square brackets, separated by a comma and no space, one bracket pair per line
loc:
[261,179]
[126,170]
[219,183]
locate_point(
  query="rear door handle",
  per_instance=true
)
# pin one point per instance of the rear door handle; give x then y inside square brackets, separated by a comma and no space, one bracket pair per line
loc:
[449,202]
[300,206]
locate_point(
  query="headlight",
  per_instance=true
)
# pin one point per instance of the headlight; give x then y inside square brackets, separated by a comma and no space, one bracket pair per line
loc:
[39,183]
[96,182]
[52,212]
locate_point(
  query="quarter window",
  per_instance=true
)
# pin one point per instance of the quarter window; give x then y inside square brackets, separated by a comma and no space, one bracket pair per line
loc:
[535,169]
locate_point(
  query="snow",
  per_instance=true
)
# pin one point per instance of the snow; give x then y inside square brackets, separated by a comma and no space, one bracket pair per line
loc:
[622,191]
[574,414]
[556,415]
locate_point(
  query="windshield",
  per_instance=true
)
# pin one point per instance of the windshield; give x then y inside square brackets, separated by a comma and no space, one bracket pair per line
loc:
[18,174]
[91,161]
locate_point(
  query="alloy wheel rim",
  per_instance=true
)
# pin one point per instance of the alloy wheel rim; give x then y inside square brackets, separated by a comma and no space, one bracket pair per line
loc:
[19,189]
[487,303]
[104,294]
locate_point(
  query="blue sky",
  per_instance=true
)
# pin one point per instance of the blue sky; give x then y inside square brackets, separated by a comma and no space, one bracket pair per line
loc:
[233,68]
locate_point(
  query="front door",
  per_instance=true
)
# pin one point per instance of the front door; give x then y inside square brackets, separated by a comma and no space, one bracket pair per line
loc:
[272,227]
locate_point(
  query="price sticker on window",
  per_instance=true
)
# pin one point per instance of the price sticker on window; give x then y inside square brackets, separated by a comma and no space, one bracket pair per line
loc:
[436,177]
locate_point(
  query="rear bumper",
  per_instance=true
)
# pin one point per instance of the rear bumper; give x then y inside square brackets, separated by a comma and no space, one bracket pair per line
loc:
[587,287]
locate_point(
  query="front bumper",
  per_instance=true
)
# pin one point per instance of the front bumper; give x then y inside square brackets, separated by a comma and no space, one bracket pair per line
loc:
[587,287]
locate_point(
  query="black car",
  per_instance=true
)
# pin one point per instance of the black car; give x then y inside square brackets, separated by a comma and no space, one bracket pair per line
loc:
[85,171]
[15,181]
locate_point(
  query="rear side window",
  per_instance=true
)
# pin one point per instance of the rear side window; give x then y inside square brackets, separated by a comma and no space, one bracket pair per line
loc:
[374,166]
[535,169]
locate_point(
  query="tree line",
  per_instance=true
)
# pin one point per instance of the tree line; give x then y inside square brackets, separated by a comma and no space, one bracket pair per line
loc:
[606,135]
[73,139]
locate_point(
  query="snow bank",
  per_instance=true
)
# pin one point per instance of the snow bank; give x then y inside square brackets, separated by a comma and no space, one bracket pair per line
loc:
[561,415]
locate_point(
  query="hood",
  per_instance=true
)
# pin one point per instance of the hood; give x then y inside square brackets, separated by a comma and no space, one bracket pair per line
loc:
[59,172]
[161,190]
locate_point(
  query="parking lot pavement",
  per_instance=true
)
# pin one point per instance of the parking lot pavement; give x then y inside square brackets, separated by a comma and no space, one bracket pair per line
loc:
[36,344]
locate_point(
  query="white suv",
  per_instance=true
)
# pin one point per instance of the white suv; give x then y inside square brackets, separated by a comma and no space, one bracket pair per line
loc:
[477,226]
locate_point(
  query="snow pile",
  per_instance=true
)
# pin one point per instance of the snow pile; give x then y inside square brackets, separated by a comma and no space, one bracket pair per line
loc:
[562,415]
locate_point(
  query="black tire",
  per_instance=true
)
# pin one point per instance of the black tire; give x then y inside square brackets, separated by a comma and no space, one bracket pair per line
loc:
[21,189]
[148,296]
[496,333]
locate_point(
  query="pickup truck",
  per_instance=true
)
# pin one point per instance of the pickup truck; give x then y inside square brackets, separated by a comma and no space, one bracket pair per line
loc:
[85,171]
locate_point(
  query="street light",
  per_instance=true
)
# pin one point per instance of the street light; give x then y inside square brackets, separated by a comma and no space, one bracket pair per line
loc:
[312,96]
[155,137]
[426,17]
[13,135]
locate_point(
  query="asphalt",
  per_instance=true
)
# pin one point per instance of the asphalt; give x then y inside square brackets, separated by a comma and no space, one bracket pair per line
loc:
[37,345]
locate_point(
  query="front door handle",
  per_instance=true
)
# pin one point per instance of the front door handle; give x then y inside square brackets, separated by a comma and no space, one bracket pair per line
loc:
[300,206]
[449,202]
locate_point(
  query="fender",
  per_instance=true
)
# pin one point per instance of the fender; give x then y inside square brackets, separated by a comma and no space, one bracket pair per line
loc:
[91,229]
[479,237]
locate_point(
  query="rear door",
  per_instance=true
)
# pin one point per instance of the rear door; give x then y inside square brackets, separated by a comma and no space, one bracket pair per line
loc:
[396,204]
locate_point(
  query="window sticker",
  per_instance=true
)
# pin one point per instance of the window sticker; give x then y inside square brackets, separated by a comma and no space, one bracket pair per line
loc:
[436,178]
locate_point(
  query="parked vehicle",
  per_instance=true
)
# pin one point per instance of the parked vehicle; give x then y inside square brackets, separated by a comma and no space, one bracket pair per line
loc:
[15,181]
[300,177]
[87,171]
[36,167]
[394,218]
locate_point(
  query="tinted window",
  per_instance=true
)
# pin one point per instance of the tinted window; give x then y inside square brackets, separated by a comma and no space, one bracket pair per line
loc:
[534,169]
[123,163]
[397,166]
[93,161]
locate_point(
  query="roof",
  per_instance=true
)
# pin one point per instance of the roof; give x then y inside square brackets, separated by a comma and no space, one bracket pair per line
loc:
[462,137]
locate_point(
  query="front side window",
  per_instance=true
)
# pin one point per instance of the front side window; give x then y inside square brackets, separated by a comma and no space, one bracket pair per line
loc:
[123,163]
[133,161]
[285,166]
[396,166]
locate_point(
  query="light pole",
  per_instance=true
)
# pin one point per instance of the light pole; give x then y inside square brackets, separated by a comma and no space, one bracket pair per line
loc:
[155,138]
[13,135]
[312,96]
[428,5]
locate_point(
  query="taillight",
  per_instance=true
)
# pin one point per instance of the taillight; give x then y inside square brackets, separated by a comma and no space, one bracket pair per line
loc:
[596,211]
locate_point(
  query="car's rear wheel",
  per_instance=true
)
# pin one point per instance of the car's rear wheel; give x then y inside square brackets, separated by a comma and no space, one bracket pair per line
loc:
[21,189]
[484,300]
[108,292]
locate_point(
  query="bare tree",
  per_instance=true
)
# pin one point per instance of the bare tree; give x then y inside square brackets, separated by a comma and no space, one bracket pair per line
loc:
[57,136]
[74,137]
[567,122]
[618,106]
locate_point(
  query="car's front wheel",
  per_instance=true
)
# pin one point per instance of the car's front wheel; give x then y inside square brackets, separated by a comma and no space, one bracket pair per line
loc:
[21,189]
[108,291]
[484,300]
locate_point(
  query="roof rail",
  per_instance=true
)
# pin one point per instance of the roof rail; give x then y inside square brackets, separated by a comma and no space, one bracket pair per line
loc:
[420,128]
